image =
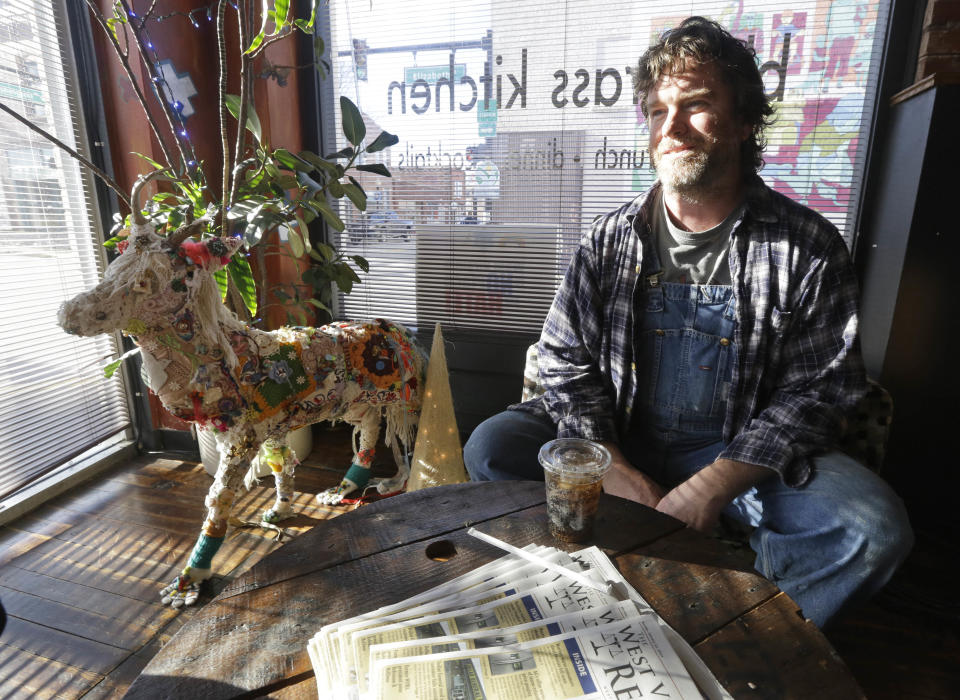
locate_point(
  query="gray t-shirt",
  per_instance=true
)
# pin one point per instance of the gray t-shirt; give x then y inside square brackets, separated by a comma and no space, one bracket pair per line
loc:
[693,258]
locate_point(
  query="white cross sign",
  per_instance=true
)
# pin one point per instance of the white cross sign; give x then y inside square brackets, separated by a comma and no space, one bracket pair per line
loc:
[179,88]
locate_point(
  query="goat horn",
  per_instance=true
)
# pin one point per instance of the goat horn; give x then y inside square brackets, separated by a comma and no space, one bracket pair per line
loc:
[135,210]
[174,240]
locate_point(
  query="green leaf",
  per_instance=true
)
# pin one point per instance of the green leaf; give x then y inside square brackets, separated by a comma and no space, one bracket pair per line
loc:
[253,232]
[277,15]
[253,121]
[361,262]
[109,369]
[336,189]
[255,178]
[357,184]
[384,140]
[304,233]
[254,213]
[191,191]
[281,12]
[243,208]
[325,252]
[329,215]
[272,170]
[376,168]
[353,126]
[306,26]
[151,161]
[242,277]
[320,163]
[291,161]
[112,23]
[345,277]
[356,195]
[220,276]
[318,48]
[257,40]
[342,153]
[296,242]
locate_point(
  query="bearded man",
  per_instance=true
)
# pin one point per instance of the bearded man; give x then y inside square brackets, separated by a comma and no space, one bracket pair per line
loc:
[706,334]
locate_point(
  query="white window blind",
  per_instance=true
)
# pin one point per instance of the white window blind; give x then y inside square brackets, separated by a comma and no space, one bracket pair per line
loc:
[54,400]
[518,126]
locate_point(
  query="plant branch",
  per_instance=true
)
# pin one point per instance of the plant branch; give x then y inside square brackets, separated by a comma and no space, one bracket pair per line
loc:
[123,56]
[222,106]
[156,78]
[242,113]
[146,15]
[60,144]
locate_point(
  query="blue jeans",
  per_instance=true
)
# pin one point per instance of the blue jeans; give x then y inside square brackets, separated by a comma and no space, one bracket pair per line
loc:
[835,541]
[828,545]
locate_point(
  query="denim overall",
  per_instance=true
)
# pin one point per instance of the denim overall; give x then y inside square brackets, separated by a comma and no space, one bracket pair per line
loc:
[686,353]
[834,541]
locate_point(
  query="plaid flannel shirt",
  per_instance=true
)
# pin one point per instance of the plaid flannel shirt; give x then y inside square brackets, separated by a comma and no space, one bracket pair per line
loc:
[799,367]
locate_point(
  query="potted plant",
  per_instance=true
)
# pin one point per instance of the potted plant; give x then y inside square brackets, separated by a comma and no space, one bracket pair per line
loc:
[260,188]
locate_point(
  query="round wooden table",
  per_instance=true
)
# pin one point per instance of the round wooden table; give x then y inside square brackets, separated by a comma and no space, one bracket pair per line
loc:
[251,640]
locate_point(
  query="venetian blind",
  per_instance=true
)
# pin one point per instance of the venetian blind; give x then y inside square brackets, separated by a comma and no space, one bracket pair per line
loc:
[518,126]
[54,400]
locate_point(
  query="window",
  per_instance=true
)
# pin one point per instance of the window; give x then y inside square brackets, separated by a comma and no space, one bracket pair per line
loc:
[54,400]
[518,126]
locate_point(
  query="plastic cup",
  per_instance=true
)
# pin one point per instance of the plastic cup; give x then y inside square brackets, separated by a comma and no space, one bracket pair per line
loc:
[573,469]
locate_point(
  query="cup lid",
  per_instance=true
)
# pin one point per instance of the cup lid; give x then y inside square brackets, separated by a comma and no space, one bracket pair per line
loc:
[575,456]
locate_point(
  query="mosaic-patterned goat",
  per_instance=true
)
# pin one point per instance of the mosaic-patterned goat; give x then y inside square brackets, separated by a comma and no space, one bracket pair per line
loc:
[250,386]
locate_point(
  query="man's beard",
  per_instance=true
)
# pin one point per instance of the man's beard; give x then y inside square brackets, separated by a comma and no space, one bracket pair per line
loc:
[695,172]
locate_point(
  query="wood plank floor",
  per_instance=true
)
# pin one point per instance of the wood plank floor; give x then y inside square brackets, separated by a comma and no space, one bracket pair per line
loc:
[79,578]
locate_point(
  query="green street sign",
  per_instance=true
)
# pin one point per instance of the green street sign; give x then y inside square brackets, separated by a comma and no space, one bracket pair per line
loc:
[486,119]
[15,92]
[431,74]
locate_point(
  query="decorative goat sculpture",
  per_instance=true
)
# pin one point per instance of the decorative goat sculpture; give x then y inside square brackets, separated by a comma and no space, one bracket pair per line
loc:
[250,386]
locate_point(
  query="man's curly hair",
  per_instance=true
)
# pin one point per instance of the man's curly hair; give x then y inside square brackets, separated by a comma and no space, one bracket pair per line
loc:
[700,40]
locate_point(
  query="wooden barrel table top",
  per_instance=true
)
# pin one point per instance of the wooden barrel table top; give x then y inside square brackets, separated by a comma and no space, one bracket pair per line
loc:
[251,640]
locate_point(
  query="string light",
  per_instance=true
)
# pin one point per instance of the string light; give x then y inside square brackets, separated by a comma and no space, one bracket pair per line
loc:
[165,92]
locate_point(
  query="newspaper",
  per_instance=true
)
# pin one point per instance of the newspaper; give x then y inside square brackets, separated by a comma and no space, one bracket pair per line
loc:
[324,647]
[520,627]
[548,600]
[507,586]
[623,659]
[490,636]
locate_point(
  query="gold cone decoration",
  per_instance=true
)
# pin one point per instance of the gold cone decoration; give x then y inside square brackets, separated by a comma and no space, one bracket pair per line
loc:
[437,455]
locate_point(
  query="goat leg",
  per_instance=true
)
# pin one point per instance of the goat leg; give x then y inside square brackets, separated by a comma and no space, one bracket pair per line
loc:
[185,588]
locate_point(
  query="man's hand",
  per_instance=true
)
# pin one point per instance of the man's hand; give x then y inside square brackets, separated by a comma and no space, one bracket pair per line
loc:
[625,481]
[699,500]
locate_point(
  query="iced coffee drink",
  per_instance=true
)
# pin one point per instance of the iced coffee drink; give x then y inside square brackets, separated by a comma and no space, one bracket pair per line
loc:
[573,470]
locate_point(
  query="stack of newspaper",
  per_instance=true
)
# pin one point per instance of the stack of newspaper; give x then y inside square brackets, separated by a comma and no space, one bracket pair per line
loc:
[513,629]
